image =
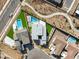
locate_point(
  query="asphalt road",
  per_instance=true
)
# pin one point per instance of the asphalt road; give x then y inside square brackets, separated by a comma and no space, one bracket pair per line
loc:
[5,17]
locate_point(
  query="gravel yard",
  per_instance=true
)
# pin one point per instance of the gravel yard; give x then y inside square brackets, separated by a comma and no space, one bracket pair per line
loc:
[2,2]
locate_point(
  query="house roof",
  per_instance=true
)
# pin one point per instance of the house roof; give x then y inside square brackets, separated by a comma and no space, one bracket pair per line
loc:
[60,44]
[36,53]
[10,52]
[71,51]
[59,35]
[37,29]
[23,35]
[7,40]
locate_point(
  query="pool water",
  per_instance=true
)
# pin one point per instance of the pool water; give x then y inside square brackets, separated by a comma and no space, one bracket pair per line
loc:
[71,40]
[33,19]
[19,23]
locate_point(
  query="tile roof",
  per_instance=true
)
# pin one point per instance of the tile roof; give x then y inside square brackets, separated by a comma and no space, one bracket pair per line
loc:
[71,51]
[60,41]
[60,45]
[59,35]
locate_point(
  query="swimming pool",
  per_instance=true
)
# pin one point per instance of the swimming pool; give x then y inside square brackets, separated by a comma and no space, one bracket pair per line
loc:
[19,24]
[71,40]
[33,19]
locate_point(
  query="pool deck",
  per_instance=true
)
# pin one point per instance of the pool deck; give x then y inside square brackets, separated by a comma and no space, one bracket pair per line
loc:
[19,24]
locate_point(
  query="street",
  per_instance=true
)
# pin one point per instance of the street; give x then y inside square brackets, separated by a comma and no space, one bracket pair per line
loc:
[5,17]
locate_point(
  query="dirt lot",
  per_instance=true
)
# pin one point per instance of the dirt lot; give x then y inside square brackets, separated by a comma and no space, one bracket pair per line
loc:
[2,2]
[43,7]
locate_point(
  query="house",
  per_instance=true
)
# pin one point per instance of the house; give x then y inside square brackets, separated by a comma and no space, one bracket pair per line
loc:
[59,46]
[59,34]
[37,53]
[71,51]
[10,42]
[22,39]
[39,32]
[57,43]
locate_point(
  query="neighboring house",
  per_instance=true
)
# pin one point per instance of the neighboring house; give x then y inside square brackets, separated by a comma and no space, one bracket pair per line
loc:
[59,34]
[57,43]
[71,51]
[10,42]
[39,32]
[57,46]
[37,53]
[22,39]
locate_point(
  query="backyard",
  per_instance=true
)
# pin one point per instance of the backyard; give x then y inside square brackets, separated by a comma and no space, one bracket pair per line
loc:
[10,33]
[48,28]
[24,23]
[22,17]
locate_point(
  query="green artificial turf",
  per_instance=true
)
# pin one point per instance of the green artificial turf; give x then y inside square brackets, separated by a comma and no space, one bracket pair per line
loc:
[48,28]
[10,33]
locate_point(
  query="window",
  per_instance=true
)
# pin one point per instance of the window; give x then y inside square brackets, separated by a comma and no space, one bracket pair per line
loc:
[39,37]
